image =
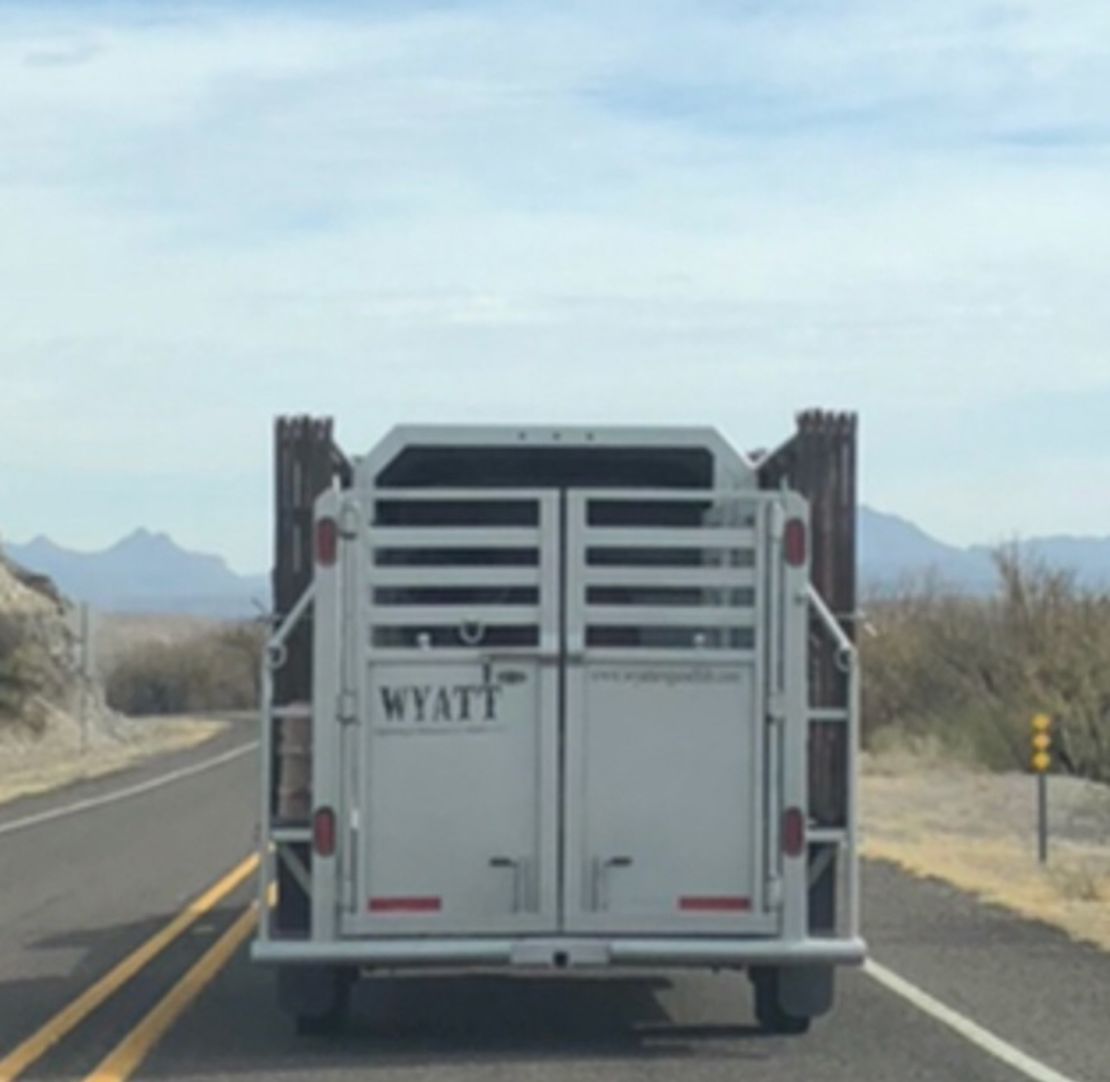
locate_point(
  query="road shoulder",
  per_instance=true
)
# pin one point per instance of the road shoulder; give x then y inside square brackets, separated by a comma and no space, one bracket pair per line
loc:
[179,745]
[1025,981]
[975,830]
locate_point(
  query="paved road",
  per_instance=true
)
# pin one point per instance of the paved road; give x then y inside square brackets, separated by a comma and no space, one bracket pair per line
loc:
[78,894]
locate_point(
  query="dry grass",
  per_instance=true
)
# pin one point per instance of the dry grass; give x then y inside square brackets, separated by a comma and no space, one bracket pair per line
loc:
[41,685]
[969,673]
[976,831]
[40,766]
[118,634]
[55,727]
[951,683]
[215,668]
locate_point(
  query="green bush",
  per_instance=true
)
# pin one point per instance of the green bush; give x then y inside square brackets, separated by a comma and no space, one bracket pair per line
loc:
[971,672]
[215,671]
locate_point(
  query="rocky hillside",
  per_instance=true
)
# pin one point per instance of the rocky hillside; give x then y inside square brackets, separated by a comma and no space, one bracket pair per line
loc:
[42,692]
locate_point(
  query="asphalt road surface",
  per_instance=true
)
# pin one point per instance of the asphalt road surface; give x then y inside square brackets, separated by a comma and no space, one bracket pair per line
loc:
[965,991]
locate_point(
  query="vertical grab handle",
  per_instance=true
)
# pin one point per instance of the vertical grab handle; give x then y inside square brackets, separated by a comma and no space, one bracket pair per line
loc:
[517,867]
[599,879]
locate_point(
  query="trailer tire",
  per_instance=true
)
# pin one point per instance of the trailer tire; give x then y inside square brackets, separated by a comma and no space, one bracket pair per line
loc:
[769,1011]
[317,997]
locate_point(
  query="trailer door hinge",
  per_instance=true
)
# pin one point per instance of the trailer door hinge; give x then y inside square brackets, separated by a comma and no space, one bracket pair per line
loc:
[346,708]
[348,520]
[776,711]
[774,892]
[778,521]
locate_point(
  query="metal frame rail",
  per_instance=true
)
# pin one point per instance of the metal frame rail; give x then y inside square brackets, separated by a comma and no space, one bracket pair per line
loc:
[846,837]
[275,843]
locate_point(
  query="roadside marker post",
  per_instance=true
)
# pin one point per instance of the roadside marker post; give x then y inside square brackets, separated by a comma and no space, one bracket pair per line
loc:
[86,673]
[1041,760]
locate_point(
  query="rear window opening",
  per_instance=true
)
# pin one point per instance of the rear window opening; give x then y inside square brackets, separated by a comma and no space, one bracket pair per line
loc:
[549,467]
[486,513]
[669,514]
[456,557]
[457,595]
[647,512]
[672,638]
[667,556]
[668,595]
[454,635]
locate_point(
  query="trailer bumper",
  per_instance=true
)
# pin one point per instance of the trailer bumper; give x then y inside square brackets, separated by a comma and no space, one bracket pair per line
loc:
[561,952]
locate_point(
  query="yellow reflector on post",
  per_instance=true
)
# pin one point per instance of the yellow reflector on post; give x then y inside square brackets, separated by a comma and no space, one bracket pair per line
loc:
[1041,722]
[1042,742]
[1041,762]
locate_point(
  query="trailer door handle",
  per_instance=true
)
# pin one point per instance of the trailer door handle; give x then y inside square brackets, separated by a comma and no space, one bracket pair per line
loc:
[517,867]
[599,887]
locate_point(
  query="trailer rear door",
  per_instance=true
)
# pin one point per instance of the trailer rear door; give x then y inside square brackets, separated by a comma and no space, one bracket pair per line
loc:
[667,626]
[455,774]
[560,705]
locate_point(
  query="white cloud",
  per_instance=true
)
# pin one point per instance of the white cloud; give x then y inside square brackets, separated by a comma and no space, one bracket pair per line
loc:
[640,212]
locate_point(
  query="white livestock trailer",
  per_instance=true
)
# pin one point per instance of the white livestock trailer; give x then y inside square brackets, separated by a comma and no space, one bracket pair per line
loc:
[558,717]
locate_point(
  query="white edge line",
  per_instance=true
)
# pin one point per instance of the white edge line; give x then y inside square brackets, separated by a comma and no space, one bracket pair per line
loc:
[965,1027]
[131,790]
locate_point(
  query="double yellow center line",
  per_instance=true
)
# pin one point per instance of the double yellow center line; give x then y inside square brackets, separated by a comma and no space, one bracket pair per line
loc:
[122,1061]
[130,1052]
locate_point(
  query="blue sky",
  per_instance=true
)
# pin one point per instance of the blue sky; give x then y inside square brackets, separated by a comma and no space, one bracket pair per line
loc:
[630,212]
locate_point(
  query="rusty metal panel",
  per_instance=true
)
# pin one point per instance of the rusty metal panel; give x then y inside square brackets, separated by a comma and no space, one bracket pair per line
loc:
[306,462]
[820,463]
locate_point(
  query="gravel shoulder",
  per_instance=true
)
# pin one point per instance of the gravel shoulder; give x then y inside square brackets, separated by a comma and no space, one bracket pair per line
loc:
[976,831]
[29,767]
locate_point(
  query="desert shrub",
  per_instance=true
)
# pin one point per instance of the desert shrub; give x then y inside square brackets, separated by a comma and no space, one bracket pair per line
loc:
[972,671]
[215,671]
[12,679]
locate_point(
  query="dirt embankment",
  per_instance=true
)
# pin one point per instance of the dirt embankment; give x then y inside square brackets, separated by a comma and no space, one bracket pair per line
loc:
[976,830]
[55,726]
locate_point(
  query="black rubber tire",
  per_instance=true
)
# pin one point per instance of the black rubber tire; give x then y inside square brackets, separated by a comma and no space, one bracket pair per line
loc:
[329,1017]
[768,1010]
[321,1025]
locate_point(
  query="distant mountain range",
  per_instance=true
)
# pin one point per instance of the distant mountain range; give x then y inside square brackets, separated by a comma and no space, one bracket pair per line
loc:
[146,572]
[149,572]
[894,550]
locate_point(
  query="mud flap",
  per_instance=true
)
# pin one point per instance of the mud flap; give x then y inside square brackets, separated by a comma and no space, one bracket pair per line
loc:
[806,991]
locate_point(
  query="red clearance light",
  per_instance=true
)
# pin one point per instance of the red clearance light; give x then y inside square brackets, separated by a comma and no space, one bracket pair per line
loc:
[327,542]
[794,542]
[323,832]
[793,832]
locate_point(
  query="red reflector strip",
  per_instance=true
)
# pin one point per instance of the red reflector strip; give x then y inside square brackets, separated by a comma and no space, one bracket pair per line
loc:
[714,903]
[405,905]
